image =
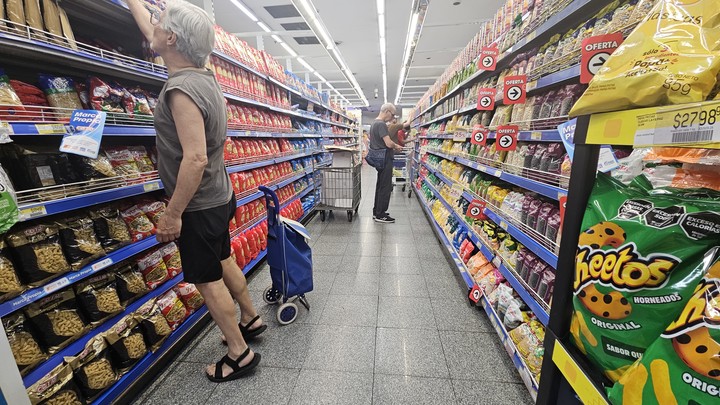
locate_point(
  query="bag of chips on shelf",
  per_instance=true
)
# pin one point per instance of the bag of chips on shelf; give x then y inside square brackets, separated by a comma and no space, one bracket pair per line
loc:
[138,223]
[60,92]
[189,295]
[672,57]
[172,309]
[153,269]
[58,318]
[56,387]
[23,344]
[629,281]
[154,325]
[110,228]
[98,298]
[682,365]
[93,369]
[38,253]
[154,209]
[77,236]
[130,284]
[136,103]
[104,97]
[171,257]
[127,343]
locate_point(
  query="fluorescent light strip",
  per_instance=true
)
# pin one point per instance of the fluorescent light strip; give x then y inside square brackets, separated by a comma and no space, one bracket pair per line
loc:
[383,45]
[413,35]
[244,9]
[264,26]
[307,65]
[319,76]
[289,49]
[277,39]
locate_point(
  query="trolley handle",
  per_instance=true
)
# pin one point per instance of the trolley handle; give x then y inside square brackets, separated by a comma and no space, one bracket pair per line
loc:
[273,205]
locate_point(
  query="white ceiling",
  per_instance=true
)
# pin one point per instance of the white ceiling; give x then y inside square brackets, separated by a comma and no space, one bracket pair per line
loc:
[354,24]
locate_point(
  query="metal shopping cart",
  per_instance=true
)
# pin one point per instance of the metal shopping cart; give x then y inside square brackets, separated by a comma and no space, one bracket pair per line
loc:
[340,189]
[290,261]
[400,168]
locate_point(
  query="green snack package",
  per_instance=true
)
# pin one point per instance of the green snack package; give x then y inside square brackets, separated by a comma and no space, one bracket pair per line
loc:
[682,366]
[8,203]
[638,260]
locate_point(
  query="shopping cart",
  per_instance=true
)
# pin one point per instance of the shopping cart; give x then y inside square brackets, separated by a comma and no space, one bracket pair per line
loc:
[290,260]
[400,165]
[340,190]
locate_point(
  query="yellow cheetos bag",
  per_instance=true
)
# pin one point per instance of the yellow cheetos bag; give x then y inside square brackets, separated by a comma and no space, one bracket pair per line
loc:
[672,57]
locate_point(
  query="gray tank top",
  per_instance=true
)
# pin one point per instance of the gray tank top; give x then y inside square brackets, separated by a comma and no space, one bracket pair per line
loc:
[215,188]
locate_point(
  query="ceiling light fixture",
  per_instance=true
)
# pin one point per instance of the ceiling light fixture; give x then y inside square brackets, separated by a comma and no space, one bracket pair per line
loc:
[311,17]
[289,49]
[307,65]
[419,10]
[277,39]
[319,76]
[244,9]
[383,45]
[264,26]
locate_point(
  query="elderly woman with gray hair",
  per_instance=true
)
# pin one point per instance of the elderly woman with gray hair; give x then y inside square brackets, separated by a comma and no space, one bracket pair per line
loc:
[191,126]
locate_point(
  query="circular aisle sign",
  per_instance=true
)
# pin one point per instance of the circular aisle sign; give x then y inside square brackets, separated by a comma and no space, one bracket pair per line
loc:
[515,89]
[479,135]
[488,58]
[597,61]
[475,294]
[506,141]
[595,52]
[514,93]
[507,137]
[488,61]
[486,101]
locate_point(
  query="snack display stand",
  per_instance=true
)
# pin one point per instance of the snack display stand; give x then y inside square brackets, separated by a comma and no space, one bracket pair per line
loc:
[289,170]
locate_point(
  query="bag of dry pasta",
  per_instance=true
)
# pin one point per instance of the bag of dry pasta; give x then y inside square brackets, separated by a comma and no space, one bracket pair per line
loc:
[123,161]
[12,108]
[142,158]
[38,253]
[189,295]
[79,242]
[25,347]
[16,14]
[172,309]
[171,257]
[93,169]
[57,316]
[51,17]
[60,92]
[34,19]
[153,269]
[154,325]
[98,298]
[154,209]
[56,388]
[130,284]
[672,57]
[127,343]
[110,228]
[92,368]
[10,285]
[138,223]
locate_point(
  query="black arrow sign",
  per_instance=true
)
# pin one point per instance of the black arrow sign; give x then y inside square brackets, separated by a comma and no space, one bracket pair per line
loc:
[485,101]
[514,93]
[505,141]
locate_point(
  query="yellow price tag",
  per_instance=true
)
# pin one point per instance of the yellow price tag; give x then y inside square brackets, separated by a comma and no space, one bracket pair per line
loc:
[32,212]
[531,85]
[497,173]
[155,185]
[536,136]
[50,129]
[503,225]
[580,382]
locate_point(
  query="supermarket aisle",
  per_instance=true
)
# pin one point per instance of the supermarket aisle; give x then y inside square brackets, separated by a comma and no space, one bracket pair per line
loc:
[389,324]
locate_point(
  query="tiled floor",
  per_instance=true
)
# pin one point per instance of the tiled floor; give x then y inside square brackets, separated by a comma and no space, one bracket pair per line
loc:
[389,324]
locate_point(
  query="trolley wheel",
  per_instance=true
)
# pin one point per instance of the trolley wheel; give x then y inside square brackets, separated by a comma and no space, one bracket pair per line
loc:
[271,296]
[322,216]
[404,187]
[410,194]
[287,313]
[350,215]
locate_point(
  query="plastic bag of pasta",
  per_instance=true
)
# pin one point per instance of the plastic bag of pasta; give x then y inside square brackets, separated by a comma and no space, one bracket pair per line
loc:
[10,285]
[99,298]
[130,284]
[672,57]
[110,228]
[154,325]
[92,368]
[16,14]
[171,257]
[153,269]
[58,318]
[34,19]
[77,236]
[25,347]
[93,169]
[172,308]
[127,343]
[138,223]
[56,388]
[189,295]
[39,254]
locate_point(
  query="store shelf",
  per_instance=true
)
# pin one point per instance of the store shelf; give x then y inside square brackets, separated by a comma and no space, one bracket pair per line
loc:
[549,135]
[554,79]
[511,349]
[535,304]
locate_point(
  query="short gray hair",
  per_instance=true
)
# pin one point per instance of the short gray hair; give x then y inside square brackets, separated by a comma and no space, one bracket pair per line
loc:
[388,107]
[194,29]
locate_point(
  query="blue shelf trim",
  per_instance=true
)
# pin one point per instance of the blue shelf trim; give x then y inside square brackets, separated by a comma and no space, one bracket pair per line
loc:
[553,79]
[444,240]
[35,294]
[522,290]
[546,135]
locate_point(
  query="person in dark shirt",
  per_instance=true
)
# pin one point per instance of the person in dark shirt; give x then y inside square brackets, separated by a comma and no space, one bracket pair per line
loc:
[380,140]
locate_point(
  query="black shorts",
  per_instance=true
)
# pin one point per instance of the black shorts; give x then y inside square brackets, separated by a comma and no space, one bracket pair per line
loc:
[205,242]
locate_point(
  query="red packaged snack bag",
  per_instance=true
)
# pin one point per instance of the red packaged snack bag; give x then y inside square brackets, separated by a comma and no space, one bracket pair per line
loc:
[253,243]
[190,296]
[232,226]
[245,246]
[237,248]
[171,257]
[138,223]
[172,309]
[153,269]
[235,182]
[264,227]
[230,150]
[239,148]
[263,238]
[152,208]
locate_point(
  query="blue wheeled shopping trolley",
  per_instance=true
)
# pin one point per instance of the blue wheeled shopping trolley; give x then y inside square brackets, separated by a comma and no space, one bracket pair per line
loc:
[290,260]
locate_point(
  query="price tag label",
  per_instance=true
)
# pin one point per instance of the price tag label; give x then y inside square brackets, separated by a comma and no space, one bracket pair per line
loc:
[475,294]
[50,129]
[56,285]
[102,264]
[32,212]
[595,52]
[476,210]
[515,89]
[155,185]
[459,136]
[507,137]
[696,125]
[486,99]
[503,225]
[497,173]
[479,135]
[496,261]
[457,190]
[536,136]
[488,58]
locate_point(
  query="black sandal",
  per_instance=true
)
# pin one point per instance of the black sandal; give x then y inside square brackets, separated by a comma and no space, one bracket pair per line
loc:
[250,334]
[235,366]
